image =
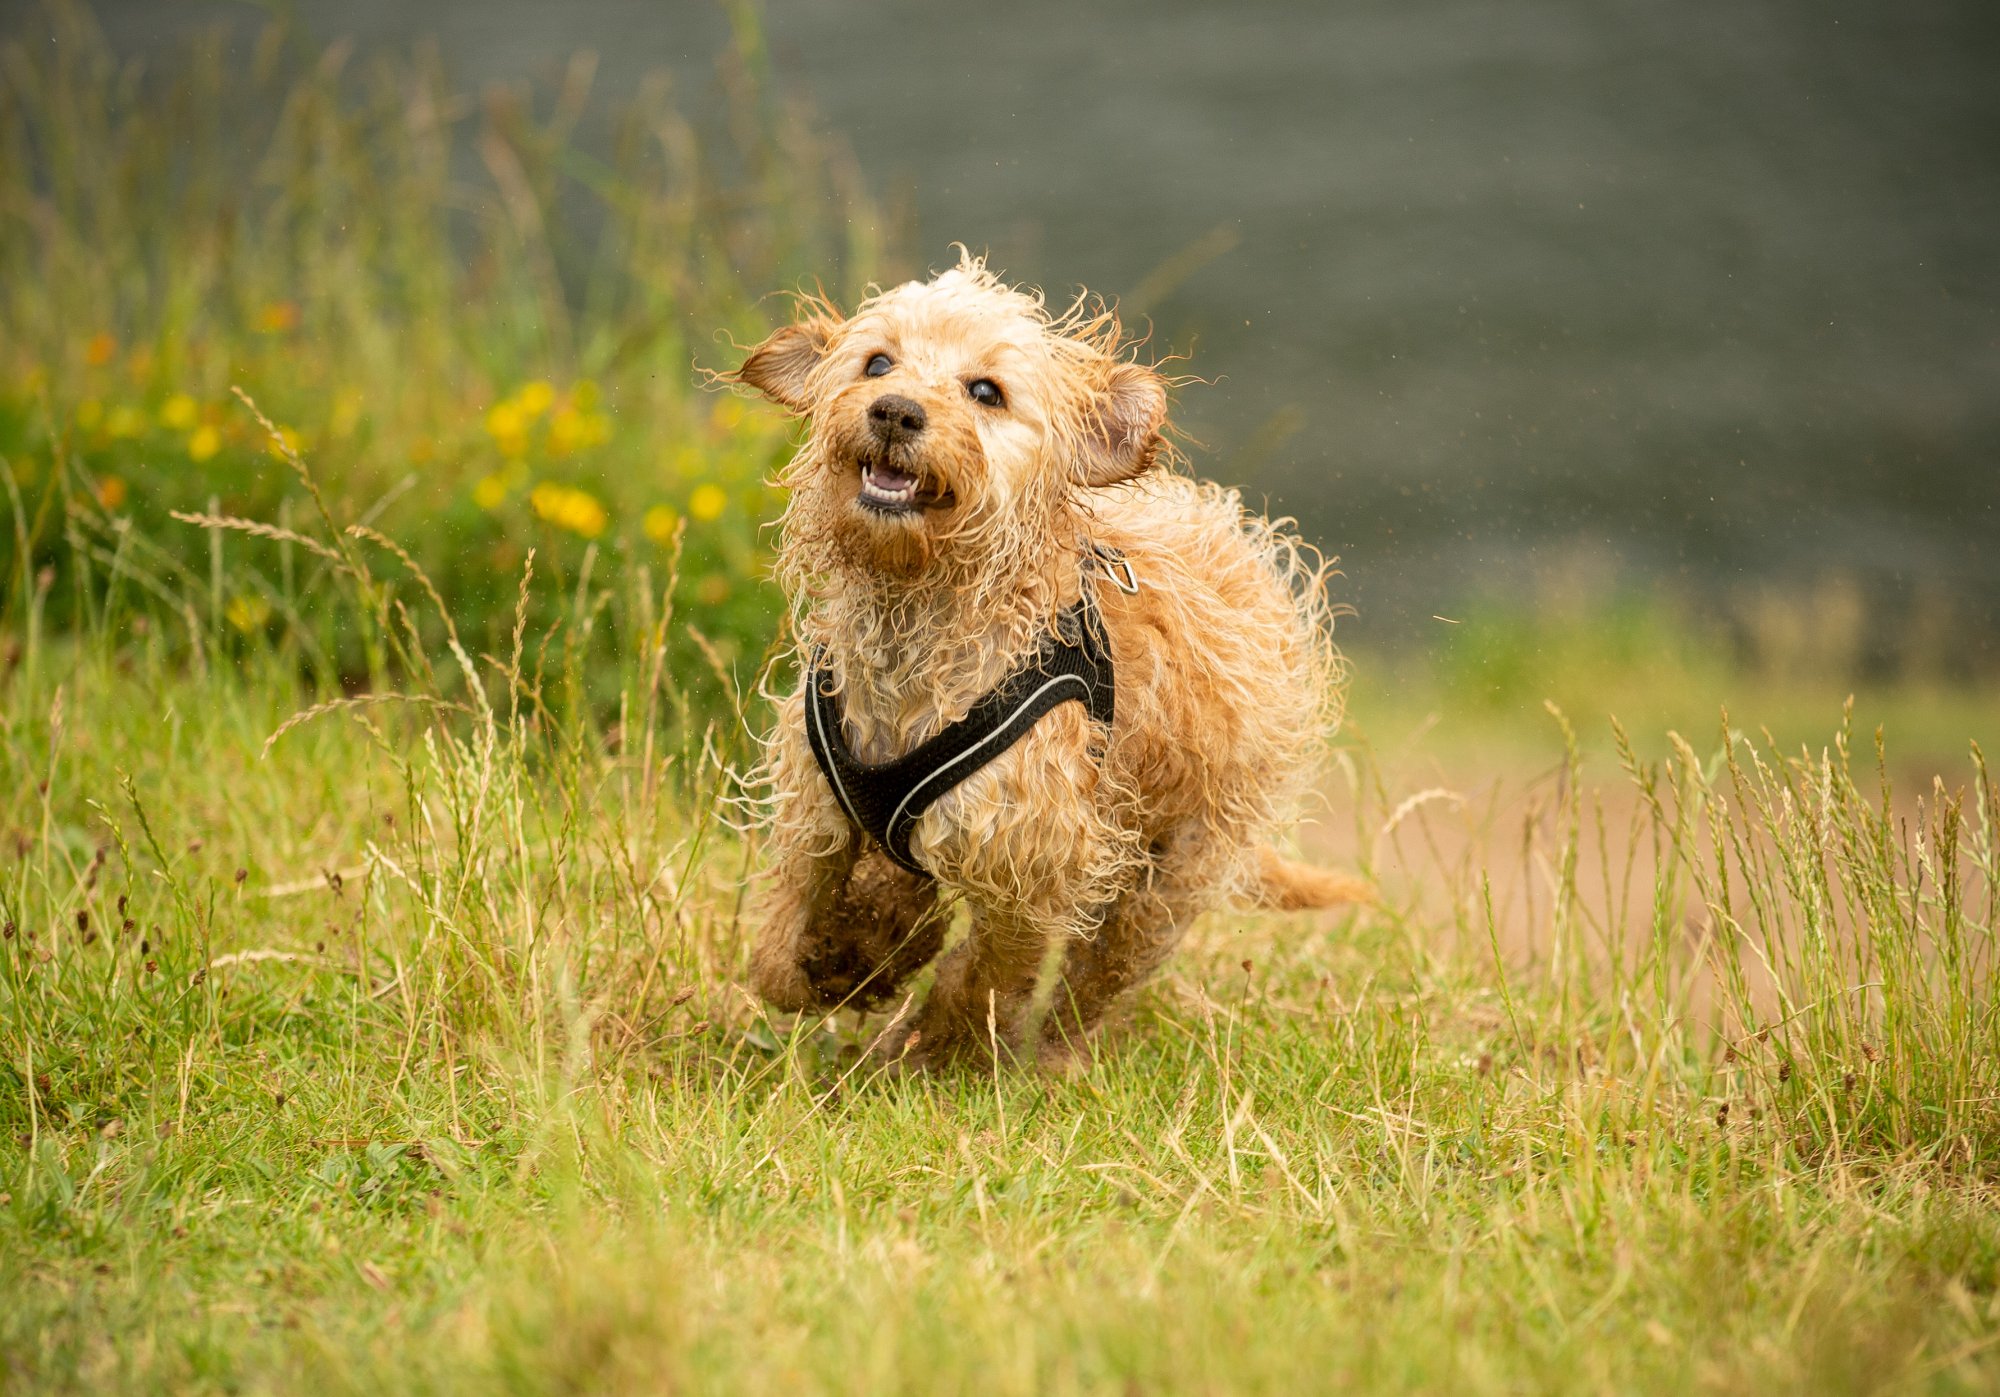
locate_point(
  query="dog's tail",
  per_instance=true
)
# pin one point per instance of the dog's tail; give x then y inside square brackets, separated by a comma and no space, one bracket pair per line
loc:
[1291,887]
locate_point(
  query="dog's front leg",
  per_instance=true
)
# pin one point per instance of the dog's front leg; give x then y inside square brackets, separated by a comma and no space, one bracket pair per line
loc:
[841,928]
[811,854]
[804,883]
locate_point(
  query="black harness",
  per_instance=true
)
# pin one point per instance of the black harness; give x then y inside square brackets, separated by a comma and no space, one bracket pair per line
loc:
[888,798]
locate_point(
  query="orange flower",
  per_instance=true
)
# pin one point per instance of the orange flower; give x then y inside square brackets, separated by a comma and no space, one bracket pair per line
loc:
[100,349]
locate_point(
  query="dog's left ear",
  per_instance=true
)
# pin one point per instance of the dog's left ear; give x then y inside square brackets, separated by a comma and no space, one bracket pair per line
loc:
[778,367]
[1121,429]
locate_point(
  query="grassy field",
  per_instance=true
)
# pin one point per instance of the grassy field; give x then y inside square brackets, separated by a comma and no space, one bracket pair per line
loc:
[374,873]
[411,1054]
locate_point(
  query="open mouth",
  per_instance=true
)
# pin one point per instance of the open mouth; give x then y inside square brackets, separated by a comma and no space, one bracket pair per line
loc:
[885,489]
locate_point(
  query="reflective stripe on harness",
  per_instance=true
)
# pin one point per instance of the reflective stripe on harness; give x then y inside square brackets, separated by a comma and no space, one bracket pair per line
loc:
[887,799]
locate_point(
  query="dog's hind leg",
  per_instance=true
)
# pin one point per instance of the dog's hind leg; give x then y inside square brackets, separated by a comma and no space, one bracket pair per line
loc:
[1137,935]
[1035,857]
[979,1005]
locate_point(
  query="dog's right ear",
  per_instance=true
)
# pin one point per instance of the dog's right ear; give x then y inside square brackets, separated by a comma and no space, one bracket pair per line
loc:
[778,367]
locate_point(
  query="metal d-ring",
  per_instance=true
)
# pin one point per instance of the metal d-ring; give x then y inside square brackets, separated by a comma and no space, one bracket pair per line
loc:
[1118,568]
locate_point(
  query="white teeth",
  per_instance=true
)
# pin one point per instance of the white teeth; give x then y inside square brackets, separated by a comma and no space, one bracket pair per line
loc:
[886,494]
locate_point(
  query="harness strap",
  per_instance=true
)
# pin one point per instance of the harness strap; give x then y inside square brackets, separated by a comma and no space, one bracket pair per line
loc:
[886,799]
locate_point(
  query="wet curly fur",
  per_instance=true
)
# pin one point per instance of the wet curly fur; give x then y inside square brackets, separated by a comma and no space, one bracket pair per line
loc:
[1105,843]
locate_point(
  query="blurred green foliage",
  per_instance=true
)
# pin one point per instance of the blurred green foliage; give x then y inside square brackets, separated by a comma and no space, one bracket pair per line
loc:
[484,334]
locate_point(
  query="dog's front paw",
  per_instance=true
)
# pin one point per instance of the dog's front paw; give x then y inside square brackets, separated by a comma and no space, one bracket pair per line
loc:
[781,982]
[941,1042]
[1060,1057]
[927,1044]
[900,1053]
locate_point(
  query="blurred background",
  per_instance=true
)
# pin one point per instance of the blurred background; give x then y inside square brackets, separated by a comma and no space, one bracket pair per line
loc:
[1672,327]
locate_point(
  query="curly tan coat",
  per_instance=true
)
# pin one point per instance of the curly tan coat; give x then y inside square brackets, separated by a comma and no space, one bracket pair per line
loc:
[964,449]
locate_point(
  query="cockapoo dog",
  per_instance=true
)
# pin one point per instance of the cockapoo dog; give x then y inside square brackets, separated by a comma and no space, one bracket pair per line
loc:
[1040,673]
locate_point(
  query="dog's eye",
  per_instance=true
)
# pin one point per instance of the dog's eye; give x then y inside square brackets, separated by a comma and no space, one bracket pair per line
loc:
[879,365]
[986,393]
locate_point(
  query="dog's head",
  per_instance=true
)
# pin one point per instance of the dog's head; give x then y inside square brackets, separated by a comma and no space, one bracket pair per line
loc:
[953,416]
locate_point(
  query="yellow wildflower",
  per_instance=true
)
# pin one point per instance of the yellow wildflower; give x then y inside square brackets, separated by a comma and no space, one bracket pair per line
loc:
[205,442]
[125,421]
[346,412]
[503,419]
[707,503]
[575,510]
[490,492]
[536,398]
[660,523]
[247,613]
[111,492]
[89,413]
[291,440]
[727,414]
[508,426]
[100,349]
[564,432]
[179,412]
[573,430]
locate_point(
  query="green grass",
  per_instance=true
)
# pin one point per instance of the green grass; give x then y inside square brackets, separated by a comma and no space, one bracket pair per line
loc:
[487,1109]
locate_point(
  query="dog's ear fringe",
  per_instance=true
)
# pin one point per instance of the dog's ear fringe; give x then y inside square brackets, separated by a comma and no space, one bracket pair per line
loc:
[779,367]
[1123,430]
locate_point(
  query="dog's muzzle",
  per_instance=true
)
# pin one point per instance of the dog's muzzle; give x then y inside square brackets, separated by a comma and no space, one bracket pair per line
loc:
[894,424]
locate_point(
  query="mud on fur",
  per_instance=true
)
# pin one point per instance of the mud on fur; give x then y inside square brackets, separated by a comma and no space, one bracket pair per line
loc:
[965,449]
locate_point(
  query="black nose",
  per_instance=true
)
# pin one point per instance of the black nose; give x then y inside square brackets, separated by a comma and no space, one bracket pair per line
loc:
[895,418]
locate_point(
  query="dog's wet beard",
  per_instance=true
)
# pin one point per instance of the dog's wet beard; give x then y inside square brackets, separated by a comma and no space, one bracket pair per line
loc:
[831,527]
[860,505]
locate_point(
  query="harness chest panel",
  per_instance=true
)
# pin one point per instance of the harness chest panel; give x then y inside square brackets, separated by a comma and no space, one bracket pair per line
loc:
[886,799]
